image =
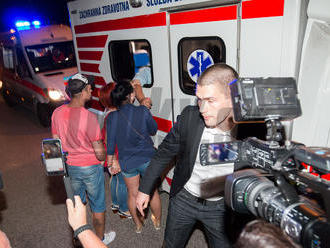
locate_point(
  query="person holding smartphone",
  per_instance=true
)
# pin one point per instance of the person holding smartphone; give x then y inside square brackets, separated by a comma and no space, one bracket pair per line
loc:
[81,138]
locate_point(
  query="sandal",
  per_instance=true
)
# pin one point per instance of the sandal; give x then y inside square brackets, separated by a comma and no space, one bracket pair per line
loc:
[138,229]
[155,222]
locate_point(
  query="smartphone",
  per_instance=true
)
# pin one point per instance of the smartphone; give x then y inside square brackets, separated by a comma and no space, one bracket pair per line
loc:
[52,157]
[219,153]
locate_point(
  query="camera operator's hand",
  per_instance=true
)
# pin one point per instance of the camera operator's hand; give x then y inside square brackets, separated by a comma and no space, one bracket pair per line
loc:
[4,242]
[142,201]
[77,214]
[77,218]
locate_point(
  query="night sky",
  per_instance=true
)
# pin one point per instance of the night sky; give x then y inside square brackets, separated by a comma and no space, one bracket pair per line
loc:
[47,11]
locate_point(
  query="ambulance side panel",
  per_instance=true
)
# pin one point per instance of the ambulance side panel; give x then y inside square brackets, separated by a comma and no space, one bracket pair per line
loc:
[313,127]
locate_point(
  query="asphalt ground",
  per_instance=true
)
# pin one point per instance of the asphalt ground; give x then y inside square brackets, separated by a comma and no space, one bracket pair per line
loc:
[32,205]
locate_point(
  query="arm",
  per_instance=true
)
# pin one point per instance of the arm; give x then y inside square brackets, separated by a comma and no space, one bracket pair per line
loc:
[77,218]
[99,150]
[165,153]
[95,136]
[112,159]
[4,242]
[141,78]
[89,240]
[138,90]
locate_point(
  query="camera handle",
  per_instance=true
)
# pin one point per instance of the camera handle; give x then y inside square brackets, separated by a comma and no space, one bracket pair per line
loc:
[274,127]
[67,180]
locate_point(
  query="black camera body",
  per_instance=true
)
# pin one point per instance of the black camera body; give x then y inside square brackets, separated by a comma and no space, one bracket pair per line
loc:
[270,180]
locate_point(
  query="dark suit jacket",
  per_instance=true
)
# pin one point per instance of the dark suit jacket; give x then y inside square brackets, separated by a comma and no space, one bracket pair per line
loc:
[183,140]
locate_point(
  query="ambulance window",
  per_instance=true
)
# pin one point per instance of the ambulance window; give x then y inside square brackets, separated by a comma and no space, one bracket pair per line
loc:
[128,57]
[8,58]
[22,67]
[195,54]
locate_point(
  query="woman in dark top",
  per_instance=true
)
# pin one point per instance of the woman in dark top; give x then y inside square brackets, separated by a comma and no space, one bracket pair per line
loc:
[129,128]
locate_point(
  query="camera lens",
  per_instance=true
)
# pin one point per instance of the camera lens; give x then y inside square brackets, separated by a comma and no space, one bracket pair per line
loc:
[251,191]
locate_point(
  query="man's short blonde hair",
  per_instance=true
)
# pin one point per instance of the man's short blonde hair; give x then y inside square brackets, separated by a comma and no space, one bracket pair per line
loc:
[220,73]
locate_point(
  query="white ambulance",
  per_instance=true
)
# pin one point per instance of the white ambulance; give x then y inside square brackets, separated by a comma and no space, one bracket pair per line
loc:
[259,38]
[35,63]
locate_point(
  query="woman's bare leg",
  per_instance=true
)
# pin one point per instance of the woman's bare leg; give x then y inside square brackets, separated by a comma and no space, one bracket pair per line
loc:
[132,184]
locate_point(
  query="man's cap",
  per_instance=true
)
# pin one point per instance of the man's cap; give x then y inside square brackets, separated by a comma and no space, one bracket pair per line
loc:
[77,83]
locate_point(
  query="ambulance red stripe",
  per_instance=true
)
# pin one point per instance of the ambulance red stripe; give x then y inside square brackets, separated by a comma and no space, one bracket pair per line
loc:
[143,21]
[204,15]
[99,80]
[89,67]
[32,87]
[90,55]
[163,124]
[27,84]
[262,8]
[92,41]
[250,9]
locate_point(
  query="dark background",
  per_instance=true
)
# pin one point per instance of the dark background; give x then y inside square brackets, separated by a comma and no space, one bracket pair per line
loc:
[46,11]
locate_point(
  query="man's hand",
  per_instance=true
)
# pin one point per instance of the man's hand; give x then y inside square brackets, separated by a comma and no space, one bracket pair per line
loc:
[77,214]
[146,102]
[142,201]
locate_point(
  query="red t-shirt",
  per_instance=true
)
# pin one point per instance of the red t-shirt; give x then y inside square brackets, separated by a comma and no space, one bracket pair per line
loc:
[77,128]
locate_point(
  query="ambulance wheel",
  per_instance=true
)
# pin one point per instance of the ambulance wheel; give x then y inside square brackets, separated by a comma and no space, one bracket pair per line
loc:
[8,99]
[44,114]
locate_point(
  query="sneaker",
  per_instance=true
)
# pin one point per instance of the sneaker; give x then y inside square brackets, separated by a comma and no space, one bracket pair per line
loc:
[124,215]
[108,237]
[114,208]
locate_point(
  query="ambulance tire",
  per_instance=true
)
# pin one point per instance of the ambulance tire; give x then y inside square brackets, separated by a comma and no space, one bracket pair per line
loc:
[44,114]
[8,99]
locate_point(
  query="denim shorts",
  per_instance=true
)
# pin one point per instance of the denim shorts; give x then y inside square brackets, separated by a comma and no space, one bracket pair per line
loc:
[89,179]
[136,171]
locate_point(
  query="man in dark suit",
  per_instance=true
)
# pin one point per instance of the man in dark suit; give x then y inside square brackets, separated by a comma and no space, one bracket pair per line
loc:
[196,191]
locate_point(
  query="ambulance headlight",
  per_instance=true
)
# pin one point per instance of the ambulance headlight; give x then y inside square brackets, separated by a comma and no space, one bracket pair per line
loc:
[55,95]
[1,84]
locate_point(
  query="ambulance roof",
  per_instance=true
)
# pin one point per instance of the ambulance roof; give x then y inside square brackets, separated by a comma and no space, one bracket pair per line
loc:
[45,35]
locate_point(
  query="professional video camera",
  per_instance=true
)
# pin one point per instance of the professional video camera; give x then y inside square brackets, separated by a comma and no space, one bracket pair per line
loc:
[282,182]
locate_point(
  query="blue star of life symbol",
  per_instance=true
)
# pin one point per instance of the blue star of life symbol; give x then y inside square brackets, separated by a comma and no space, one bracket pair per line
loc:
[198,61]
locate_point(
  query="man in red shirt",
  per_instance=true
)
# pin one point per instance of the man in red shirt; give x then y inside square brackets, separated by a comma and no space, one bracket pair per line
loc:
[81,137]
